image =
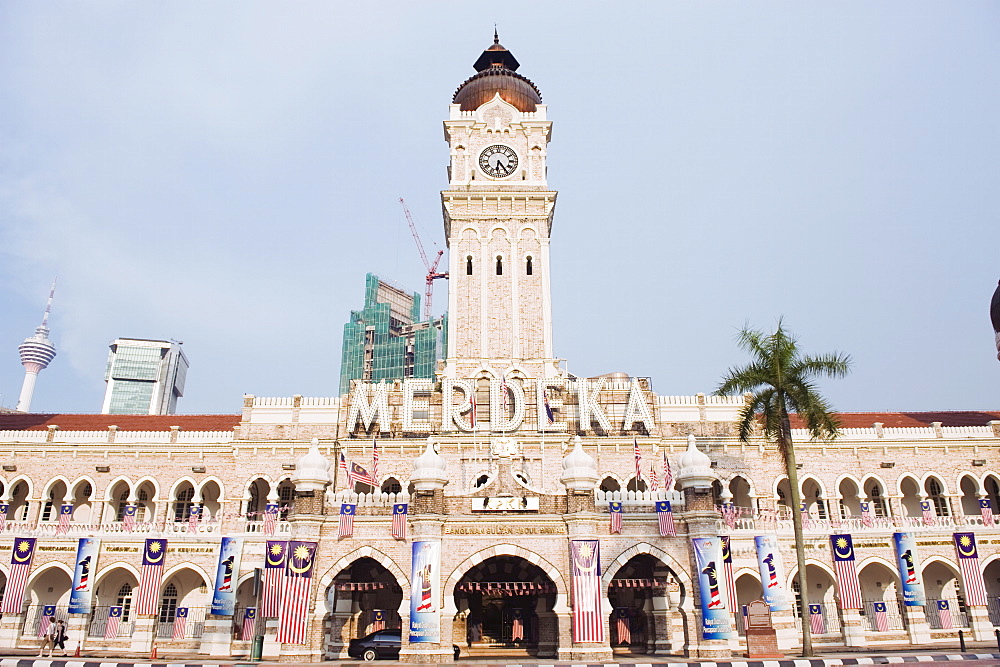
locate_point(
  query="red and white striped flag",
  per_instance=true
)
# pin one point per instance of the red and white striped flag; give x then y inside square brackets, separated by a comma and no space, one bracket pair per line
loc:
[968,563]
[866,515]
[804,514]
[816,621]
[65,514]
[114,620]
[881,621]
[194,516]
[399,512]
[346,528]
[274,570]
[654,481]
[668,473]
[847,574]
[615,509]
[22,553]
[986,509]
[588,624]
[472,410]
[180,623]
[150,576]
[623,626]
[928,512]
[378,620]
[359,475]
[128,518]
[944,615]
[4,508]
[343,471]
[727,565]
[48,612]
[517,626]
[665,515]
[375,462]
[249,621]
[295,596]
[270,518]
[638,462]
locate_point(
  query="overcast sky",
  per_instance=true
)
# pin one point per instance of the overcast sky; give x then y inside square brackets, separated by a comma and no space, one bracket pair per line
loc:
[226,173]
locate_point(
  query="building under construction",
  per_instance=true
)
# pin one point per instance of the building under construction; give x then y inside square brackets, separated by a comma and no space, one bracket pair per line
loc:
[385,339]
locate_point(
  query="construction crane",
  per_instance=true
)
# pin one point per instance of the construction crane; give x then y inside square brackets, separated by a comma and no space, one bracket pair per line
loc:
[432,272]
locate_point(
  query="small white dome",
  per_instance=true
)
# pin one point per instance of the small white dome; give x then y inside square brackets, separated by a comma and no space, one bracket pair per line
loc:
[429,469]
[579,469]
[696,468]
[312,470]
[694,457]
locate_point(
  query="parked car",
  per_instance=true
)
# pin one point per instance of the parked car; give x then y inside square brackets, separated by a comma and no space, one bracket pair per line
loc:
[380,644]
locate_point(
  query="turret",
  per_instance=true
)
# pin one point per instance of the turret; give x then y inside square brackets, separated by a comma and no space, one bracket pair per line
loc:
[36,353]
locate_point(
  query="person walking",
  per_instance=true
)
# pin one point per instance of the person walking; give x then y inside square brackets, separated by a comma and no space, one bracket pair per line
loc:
[60,637]
[50,637]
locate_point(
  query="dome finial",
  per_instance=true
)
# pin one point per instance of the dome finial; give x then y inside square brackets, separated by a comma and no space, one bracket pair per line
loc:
[496,36]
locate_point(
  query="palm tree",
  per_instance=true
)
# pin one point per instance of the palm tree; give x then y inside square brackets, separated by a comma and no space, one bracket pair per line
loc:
[778,380]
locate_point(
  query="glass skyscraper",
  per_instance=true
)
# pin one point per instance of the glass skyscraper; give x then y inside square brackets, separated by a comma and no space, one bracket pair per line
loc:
[145,377]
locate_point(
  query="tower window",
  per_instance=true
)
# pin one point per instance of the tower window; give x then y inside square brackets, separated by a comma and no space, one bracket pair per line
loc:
[499,266]
[527,266]
[468,265]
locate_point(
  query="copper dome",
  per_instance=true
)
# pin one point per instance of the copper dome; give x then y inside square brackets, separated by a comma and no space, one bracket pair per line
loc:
[496,74]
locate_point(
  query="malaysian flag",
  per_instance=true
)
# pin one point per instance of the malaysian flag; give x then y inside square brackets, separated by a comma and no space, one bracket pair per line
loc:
[727,565]
[21,555]
[804,515]
[374,461]
[249,620]
[615,509]
[588,624]
[847,574]
[944,615]
[180,623]
[517,625]
[194,514]
[986,509]
[668,473]
[4,508]
[968,563]
[295,596]
[274,570]
[730,513]
[665,514]
[548,408]
[270,518]
[399,511]
[48,612]
[343,470]
[114,620]
[925,509]
[358,475]
[65,514]
[347,511]
[378,620]
[150,576]
[881,621]
[866,515]
[816,621]
[472,410]
[638,462]
[654,480]
[128,518]
[622,625]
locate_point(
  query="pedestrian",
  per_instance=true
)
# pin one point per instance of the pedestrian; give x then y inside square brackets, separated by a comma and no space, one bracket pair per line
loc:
[50,637]
[60,639]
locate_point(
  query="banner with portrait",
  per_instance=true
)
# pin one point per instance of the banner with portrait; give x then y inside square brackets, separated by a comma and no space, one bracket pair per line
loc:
[716,618]
[772,574]
[82,593]
[425,626]
[906,559]
[227,576]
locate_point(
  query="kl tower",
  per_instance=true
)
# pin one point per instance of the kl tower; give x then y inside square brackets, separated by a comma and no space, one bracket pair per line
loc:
[36,353]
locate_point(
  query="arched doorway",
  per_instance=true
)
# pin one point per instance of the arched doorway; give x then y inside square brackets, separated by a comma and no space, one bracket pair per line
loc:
[880,583]
[505,603]
[942,583]
[48,586]
[822,593]
[363,598]
[640,617]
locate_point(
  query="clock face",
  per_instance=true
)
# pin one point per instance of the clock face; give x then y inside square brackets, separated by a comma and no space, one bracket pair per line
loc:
[498,161]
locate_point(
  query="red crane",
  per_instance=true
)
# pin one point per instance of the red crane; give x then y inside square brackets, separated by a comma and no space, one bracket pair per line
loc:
[432,272]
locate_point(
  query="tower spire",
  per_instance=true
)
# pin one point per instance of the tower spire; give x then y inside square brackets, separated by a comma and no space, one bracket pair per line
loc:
[36,353]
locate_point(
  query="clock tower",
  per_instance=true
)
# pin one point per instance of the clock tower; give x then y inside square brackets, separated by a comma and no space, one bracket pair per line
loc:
[497,219]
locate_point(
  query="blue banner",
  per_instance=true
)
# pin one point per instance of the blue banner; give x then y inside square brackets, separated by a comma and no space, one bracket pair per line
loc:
[425,574]
[81,595]
[906,559]
[226,576]
[716,619]
[772,574]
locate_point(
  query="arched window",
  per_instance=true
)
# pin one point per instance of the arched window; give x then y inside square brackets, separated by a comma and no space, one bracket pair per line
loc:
[391,485]
[143,506]
[47,508]
[993,492]
[168,604]
[468,265]
[934,492]
[527,266]
[481,481]
[878,501]
[122,504]
[797,589]
[124,601]
[499,265]
[610,484]
[182,506]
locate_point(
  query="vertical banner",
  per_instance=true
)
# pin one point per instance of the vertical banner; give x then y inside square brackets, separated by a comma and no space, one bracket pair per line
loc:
[81,596]
[274,569]
[425,626]
[968,563]
[21,555]
[727,561]
[270,518]
[226,575]
[847,575]
[906,560]
[299,569]
[4,508]
[716,621]
[772,574]
[150,577]
[588,621]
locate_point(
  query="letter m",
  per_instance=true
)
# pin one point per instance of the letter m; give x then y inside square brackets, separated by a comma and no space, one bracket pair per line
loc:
[369,404]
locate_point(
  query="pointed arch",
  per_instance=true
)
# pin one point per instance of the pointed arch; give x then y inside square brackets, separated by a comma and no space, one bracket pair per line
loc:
[113,483]
[52,482]
[846,477]
[809,477]
[197,569]
[205,482]
[649,550]
[877,478]
[908,476]
[344,562]
[936,476]
[774,486]
[178,483]
[27,481]
[42,569]
[550,570]
[83,479]
[152,480]
[111,567]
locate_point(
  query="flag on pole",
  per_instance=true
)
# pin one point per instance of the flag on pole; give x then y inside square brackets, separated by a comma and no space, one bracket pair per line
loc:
[65,514]
[4,508]
[180,623]
[270,518]
[622,625]
[517,625]
[503,394]
[274,570]
[295,596]
[128,518]
[968,563]
[114,620]
[638,462]
[804,515]
[359,475]
[665,514]
[816,621]
[944,615]
[881,621]
[378,620]
[615,508]
[472,410]
[654,481]
[249,620]
[375,461]
[21,555]
[986,509]
[194,516]
[347,511]
[399,512]
[668,473]
[928,513]
[588,624]
[729,513]
[847,575]
[48,611]
[727,565]
[343,470]
[866,515]
[148,597]
[549,416]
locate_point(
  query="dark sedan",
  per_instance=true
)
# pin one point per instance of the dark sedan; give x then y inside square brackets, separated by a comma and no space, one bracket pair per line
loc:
[381,644]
